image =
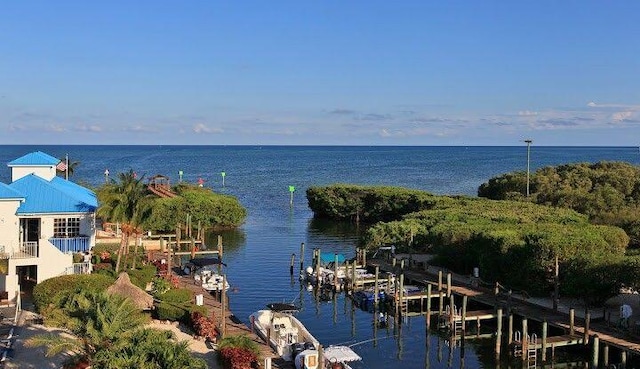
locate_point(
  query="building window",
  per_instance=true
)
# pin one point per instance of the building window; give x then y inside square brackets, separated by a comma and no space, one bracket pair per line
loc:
[66,227]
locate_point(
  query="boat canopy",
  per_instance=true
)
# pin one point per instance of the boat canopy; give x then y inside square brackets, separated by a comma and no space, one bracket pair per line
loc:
[201,262]
[283,307]
[342,354]
[327,257]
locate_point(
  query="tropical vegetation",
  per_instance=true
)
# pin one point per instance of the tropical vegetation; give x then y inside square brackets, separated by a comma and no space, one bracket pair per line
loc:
[607,192]
[513,242]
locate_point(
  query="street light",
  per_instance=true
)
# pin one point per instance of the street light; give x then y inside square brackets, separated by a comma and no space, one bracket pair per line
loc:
[528,141]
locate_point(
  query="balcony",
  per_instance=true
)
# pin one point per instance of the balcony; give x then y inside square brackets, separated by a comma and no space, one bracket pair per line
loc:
[79,268]
[71,245]
[26,250]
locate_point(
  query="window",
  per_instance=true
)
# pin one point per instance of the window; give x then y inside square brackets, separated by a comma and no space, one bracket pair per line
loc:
[66,227]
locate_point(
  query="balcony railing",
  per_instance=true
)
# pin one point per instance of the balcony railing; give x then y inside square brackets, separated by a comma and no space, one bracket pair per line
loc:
[26,250]
[79,268]
[71,245]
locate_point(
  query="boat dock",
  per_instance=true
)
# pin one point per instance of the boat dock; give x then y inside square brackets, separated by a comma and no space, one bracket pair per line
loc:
[452,299]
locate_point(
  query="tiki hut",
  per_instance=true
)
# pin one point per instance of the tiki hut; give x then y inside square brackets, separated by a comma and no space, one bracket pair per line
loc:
[137,295]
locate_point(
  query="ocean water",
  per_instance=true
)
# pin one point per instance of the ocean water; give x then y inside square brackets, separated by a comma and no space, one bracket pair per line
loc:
[258,253]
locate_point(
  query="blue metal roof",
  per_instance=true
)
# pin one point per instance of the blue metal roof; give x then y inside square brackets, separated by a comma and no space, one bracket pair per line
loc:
[8,193]
[44,197]
[35,158]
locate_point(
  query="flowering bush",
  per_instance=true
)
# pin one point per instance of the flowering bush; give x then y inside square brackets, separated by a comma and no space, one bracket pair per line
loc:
[175,281]
[237,357]
[203,326]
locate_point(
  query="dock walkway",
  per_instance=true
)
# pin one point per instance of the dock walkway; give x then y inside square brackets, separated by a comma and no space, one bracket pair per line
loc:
[528,308]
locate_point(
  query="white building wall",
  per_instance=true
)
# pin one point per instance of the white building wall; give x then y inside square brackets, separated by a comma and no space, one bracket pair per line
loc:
[46,172]
[9,224]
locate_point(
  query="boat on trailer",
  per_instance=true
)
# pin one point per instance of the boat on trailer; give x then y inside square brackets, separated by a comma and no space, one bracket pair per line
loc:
[287,336]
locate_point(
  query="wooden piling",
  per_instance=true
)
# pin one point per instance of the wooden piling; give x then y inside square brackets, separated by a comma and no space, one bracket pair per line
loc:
[301,257]
[335,272]
[452,310]
[428,319]
[464,314]
[499,335]
[293,260]
[605,355]
[163,246]
[193,248]
[223,304]
[440,302]
[448,284]
[544,341]
[318,266]
[596,349]
[394,261]
[401,291]
[524,339]
[572,318]
[587,321]
[510,330]
[353,278]
[440,280]
[623,359]
[376,287]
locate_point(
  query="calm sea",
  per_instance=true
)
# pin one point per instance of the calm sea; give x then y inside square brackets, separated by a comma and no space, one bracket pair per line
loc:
[258,254]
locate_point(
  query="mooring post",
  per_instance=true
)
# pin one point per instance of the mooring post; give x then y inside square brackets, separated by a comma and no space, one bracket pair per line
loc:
[163,247]
[623,359]
[464,314]
[394,261]
[293,260]
[448,284]
[224,305]
[524,339]
[440,303]
[318,267]
[587,320]
[388,291]
[335,272]
[544,341]
[301,257]
[428,307]
[376,287]
[440,280]
[510,328]
[401,294]
[605,355]
[596,349]
[452,311]
[499,335]
[572,317]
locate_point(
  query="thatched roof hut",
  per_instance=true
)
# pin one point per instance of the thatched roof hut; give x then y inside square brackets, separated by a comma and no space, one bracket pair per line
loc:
[137,295]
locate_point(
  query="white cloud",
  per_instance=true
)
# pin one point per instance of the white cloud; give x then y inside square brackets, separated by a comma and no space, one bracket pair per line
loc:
[55,128]
[202,128]
[620,116]
[527,113]
[89,128]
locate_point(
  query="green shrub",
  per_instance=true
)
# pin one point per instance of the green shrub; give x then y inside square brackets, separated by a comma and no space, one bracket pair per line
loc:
[177,295]
[111,248]
[171,311]
[45,292]
[142,276]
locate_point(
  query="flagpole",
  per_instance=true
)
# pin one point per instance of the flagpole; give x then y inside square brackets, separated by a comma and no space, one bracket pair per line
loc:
[66,172]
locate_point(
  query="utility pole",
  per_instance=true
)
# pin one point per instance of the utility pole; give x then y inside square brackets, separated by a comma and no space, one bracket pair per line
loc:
[528,141]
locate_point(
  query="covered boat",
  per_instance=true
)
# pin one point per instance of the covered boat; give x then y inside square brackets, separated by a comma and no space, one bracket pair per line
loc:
[339,357]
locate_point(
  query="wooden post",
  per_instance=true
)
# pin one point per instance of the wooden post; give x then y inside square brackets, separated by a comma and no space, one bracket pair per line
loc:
[544,341]
[364,258]
[525,339]
[510,330]
[464,314]
[401,291]
[452,310]
[293,260]
[301,257]
[335,272]
[224,305]
[320,355]
[376,288]
[623,359]
[163,247]
[448,284]
[178,237]
[596,349]
[499,335]
[428,307]
[605,355]
[353,278]
[587,320]
[440,303]
[220,252]
[193,248]
[318,267]
[572,317]
[440,280]
[388,291]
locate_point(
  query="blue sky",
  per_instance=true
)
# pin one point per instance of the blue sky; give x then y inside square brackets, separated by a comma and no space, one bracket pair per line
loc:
[320,72]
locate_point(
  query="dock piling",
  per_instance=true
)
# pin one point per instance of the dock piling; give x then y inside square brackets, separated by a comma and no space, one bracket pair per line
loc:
[293,260]
[428,319]
[301,257]
[544,341]
[596,348]
[572,317]
[499,335]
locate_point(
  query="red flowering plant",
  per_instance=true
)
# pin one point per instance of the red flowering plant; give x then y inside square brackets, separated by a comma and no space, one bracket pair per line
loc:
[237,357]
[175,281]
[203,326]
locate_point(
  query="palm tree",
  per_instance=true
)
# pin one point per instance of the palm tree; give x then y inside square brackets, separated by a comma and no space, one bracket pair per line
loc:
[125,201]
[98,321]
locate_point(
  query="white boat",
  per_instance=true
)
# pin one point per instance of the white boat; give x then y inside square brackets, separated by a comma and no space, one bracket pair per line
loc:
[214,282]
[339,357]
[287,336]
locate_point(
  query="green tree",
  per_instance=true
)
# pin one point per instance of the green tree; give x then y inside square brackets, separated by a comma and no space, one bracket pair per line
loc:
[127,201]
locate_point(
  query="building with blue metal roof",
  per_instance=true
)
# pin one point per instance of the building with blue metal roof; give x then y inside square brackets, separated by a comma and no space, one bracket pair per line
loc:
[44,219]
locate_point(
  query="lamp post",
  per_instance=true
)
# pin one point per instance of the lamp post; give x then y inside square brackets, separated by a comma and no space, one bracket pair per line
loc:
[528,141]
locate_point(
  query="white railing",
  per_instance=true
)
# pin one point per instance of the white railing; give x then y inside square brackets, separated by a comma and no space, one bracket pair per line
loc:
[79,268]
[26,250]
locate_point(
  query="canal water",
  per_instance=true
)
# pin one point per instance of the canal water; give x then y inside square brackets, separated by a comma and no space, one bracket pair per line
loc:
[258,253]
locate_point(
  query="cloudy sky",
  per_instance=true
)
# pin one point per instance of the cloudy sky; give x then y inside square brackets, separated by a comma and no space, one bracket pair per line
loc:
[328,72]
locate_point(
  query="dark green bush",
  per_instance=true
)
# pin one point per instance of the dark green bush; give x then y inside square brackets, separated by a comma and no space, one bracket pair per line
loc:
[177,295]
[172,312]
[45,292]
[143,275]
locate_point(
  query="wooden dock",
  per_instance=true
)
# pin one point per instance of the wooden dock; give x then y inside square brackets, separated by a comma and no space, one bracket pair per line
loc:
[581,331]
